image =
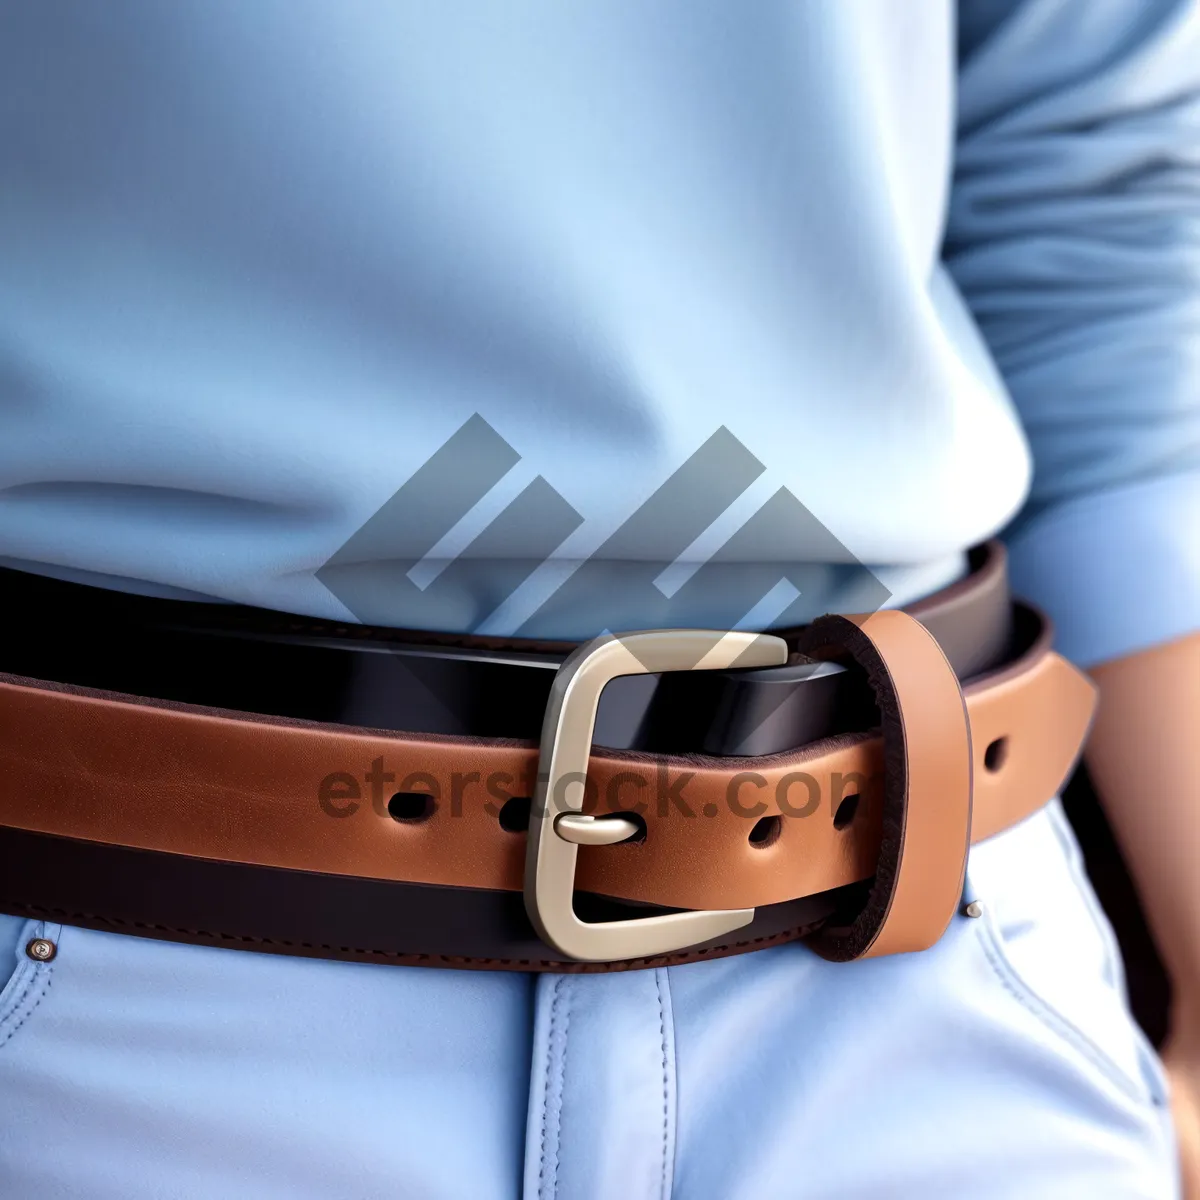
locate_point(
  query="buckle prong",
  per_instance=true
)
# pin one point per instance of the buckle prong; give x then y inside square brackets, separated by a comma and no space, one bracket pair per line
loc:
[589,831]
[558,826]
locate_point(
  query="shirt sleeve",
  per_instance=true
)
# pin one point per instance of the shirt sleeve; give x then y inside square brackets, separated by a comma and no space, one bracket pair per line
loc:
[1074,235]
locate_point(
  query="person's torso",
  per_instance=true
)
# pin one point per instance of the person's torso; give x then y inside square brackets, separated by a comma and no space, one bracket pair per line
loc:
[646,296]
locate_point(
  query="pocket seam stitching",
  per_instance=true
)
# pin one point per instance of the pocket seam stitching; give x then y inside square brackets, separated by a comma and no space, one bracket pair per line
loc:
[45,977]
[1058,1024]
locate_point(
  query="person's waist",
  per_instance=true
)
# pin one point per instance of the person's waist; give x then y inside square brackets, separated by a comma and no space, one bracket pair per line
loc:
[243,777]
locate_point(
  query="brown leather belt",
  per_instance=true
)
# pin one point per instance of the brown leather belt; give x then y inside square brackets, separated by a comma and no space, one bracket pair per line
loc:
[270,832]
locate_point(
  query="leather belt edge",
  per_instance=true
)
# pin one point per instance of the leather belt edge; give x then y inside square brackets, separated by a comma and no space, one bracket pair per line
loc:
[136,793]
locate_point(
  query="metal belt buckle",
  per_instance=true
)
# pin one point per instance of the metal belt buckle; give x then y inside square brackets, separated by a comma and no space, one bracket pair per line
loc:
[558,825]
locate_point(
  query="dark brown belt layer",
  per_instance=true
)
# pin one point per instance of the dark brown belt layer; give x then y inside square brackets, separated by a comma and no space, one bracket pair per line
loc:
[228,828]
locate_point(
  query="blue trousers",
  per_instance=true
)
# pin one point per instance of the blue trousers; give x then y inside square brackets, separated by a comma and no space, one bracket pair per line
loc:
[1001,1063]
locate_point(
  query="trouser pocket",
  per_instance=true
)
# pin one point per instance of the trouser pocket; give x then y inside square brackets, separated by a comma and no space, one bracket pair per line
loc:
[24,978]
[1052,947]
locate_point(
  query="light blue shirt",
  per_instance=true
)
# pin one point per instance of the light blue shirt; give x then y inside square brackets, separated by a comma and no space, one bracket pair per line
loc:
[258,262]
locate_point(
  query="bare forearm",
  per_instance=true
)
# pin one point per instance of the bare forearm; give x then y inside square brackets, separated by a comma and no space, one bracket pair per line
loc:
[1144,756]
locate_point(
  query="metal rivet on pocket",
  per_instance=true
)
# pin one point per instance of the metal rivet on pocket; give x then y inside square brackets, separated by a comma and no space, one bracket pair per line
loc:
[41,950]
[974,909]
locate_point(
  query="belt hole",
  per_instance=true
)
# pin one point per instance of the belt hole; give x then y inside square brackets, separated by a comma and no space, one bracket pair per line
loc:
[995,754]
[412,807]
[514,816]
[766,832]
[845,811]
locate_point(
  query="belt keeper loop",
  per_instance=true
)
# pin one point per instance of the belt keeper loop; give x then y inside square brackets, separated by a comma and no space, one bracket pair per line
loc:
[927,783]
